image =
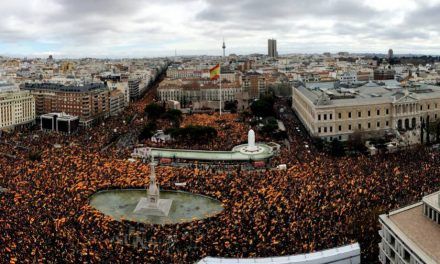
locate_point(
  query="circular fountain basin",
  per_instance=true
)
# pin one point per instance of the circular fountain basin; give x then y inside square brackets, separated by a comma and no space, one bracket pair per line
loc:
[258,149]
[186,207]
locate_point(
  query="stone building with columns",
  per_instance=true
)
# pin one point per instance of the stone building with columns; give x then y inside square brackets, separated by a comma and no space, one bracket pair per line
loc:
[329,111]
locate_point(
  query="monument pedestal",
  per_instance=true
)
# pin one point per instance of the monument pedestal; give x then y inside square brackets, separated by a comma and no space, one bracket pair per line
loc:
[161,208]
[153,205]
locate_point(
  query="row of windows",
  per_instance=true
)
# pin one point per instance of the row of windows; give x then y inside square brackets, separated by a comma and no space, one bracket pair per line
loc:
[431,213]
[350,127]
[428,106]
[324,129]
[396,249]
[359,114]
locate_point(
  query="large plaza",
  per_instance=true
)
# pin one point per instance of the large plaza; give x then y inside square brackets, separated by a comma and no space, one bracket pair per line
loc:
[266,213]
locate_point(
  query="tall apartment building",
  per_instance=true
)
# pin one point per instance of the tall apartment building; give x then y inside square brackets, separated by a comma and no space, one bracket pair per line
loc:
[372,109]
[390,54]
[122,87]
[88,102]
[254,83]
[134,88]
[411,235]
[16,108]
[117,82]
[117,102]
[272,48]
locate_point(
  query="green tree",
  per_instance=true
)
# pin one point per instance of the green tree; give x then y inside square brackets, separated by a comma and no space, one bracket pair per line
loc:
[231,106]
[270,127]
[263,107]
[154,111]
[356,142]
[318,143]
[148,131]
[337,148]
[173,115]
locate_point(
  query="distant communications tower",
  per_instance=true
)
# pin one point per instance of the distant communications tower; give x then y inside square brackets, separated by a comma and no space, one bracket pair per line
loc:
[224,48]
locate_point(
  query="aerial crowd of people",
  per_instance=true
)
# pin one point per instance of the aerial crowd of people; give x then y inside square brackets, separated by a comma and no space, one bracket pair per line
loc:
[319,202]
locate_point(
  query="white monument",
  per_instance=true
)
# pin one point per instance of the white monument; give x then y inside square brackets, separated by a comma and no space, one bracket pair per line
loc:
[152,204]
[251,147]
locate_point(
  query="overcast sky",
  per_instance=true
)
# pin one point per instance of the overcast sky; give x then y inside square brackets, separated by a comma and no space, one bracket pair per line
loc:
[138,28]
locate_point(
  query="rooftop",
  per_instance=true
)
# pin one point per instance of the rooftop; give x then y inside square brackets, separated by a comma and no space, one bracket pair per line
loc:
[60,116]
[433,201]
[234,155]
[367,93]
[415,229]
[7,95]
[350,253]
[64,88]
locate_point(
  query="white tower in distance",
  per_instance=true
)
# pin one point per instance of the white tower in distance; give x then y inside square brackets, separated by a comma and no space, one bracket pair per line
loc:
[224,48]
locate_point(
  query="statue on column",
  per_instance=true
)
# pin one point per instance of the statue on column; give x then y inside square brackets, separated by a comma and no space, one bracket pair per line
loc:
[152,204]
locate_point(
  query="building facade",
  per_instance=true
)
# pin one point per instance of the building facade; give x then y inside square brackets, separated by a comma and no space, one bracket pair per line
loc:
[372,109]
[134,89]
[348,77]
[184,95]
[272,48]
[88,102]
[16,108]
[254,83]
[177,73]
[384,74]
[412,234]
[117,102]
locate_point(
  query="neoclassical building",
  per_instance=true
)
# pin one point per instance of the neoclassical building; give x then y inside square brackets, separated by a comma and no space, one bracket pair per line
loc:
[328,111]
[16,108]
[198,93]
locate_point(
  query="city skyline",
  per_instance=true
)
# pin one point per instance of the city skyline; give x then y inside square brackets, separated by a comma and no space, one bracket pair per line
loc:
[128,135]
[117,29]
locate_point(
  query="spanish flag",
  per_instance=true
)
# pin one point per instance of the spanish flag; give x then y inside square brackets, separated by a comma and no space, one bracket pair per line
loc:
[215,72]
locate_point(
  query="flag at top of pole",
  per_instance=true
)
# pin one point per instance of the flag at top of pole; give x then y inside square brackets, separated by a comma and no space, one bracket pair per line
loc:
[215,72]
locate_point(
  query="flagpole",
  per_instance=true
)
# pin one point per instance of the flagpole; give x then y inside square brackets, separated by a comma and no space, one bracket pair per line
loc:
[220,73]
[220,89]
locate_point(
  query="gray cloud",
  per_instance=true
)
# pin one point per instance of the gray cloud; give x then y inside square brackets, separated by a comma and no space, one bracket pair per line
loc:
[144,27]
[263,10]
[426,16]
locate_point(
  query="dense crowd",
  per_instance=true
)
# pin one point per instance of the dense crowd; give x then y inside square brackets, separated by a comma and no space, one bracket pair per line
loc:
[318,203]
[231,131]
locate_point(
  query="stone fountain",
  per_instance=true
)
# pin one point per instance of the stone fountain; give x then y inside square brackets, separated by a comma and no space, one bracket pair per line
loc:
[251,147]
